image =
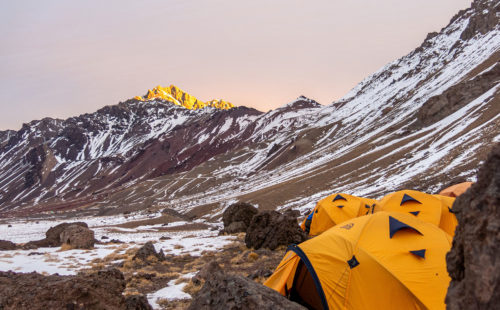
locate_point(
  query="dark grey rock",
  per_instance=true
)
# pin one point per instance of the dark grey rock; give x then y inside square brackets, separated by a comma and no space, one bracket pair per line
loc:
[225,291]
[473,260]
[146,251]
[270,229]
[79,237]
[6,245]
[238,212]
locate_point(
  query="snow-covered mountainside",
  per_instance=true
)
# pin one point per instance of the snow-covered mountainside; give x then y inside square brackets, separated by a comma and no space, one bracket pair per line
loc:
[85,157]
[425,119]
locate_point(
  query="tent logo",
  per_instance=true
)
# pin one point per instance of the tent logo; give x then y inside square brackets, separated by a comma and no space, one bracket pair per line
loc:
[347,226]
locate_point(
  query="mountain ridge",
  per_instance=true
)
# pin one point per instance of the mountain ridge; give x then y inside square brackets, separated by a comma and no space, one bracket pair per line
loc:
[181,98]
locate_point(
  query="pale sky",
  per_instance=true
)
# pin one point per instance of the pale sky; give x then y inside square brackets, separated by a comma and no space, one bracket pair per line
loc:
[64,58]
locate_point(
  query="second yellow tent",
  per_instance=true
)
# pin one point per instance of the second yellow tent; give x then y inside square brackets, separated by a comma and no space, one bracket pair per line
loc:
[435,209]
[334,210]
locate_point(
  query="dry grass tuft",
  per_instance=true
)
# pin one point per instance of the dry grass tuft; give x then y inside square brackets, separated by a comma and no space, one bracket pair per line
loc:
[122,246]
[139,284]
[191,288]
[168,275]
[65,247]
[281,248]
[115,256]
[129,291]
[195,265]
[253,256]
[180,304]
[128,265]
[50,258]
[98,266]
[131,251]
[162,302]
[241,236]
[181,280]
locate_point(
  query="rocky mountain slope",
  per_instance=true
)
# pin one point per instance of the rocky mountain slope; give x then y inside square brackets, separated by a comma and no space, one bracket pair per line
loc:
[421,121]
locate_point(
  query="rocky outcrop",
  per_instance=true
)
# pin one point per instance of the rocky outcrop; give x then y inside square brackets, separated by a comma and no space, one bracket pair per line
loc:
[473,260]
[483,22]
[7,245]
[270,229]
[237,217]
[148,250]
[53,235]
[456,97]
[225,291]
[35,159]
[100,290]
[78,237]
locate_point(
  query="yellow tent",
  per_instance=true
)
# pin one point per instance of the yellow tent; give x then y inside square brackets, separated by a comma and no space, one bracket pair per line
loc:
[456,190]
[386,260]
[434,209]
[333,210]
[448,221]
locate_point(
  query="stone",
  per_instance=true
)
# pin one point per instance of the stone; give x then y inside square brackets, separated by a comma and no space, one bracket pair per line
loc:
[78,237]
[6,245]
[137,302]
[43,243]
[472,261]
[206,271]
[270,229]
[238,212]
[236,227]
[148,250]
[99,290]
[225,291]
[53,235]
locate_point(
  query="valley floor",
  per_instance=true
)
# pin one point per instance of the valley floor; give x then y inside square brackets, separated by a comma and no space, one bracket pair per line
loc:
[187,247]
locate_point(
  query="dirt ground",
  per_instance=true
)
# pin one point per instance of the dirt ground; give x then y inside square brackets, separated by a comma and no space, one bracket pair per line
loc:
[144,277]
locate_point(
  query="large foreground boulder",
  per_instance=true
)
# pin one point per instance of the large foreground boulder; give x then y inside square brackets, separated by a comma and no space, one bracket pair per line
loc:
[270,229]
[101,290]
[473,260]
[224,291]
[78,237]
[237,217]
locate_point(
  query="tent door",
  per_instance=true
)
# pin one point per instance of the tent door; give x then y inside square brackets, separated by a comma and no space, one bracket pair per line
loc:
[304,290]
